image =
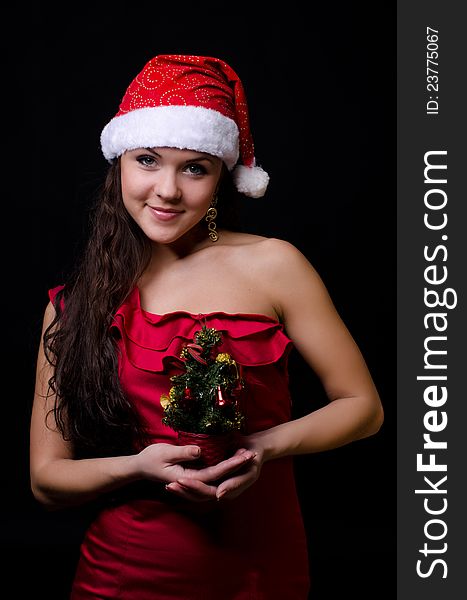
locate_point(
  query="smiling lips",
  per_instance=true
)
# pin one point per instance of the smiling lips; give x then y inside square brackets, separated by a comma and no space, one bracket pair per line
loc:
[165,214]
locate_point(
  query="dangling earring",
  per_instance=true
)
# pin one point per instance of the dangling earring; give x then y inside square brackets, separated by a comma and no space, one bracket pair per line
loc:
[210,216]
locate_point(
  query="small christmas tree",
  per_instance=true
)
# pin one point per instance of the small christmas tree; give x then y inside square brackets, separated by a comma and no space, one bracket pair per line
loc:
[204,399]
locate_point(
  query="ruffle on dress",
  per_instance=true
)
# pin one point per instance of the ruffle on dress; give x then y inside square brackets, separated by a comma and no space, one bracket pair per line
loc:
[153,342]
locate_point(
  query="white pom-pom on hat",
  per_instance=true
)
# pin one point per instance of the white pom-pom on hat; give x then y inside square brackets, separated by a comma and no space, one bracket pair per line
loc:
[251,181]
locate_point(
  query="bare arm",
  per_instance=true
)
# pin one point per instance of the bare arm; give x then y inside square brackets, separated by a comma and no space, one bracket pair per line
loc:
[59,480]
[354,411]
[312,322]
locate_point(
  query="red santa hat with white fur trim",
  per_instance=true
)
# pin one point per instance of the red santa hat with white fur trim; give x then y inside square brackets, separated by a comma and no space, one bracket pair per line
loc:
[188,102]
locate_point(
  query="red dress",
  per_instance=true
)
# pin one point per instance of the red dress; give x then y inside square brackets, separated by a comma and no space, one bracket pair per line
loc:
[155,546]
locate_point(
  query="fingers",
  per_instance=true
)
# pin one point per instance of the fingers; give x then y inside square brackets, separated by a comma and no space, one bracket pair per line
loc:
[234,489]
[184,453]
[192,490]
[199,484]
[234,486]
[226,467]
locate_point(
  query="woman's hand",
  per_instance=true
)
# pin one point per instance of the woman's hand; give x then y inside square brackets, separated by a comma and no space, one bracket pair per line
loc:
[198,484]
[168,463]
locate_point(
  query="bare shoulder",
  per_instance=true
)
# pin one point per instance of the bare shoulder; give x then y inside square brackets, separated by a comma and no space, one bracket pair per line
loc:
[275,263]
[280,252]
[49,315]
[273,255]
[240,239]
[259,244]
[49,312]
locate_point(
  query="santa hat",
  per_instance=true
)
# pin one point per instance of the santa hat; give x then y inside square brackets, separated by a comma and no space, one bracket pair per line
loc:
[189,102]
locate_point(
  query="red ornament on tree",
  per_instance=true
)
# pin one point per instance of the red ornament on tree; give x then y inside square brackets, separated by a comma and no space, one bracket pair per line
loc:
[220,400]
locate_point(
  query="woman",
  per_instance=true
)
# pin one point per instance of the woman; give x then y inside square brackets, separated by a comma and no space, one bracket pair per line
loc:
[157,268]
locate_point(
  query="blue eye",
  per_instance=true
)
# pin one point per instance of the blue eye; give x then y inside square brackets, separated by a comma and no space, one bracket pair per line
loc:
[196,169]
[146,160]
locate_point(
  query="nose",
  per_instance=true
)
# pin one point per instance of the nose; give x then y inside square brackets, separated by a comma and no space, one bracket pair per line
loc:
[166,186]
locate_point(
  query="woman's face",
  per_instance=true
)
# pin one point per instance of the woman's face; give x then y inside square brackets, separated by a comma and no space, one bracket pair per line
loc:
[167,191]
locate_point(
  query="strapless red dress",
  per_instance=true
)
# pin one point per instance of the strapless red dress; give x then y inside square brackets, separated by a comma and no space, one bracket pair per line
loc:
[155,546]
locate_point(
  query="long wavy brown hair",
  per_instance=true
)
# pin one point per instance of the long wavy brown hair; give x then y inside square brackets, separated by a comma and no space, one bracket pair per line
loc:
[91,409]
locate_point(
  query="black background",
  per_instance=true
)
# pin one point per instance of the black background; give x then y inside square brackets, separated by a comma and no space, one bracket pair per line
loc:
[321,91]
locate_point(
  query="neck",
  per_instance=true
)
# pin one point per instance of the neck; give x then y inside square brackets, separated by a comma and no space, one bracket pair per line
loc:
[194,240]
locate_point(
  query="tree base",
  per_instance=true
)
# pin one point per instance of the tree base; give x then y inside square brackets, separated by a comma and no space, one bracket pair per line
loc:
[214,447]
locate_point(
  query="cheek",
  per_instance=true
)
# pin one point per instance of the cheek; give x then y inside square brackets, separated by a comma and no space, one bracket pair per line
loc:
[200,204]
[199,199]
[133,188]
[131,193]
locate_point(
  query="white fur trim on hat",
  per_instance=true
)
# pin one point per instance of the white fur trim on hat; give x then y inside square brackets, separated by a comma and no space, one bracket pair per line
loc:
[175,126]
[251,181]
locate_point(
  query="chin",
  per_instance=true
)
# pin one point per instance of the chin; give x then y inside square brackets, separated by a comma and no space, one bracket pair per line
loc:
[169,235]
[163,238]
[166,237]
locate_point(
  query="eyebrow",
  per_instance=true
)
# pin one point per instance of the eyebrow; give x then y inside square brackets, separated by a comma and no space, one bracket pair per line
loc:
[194,159]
